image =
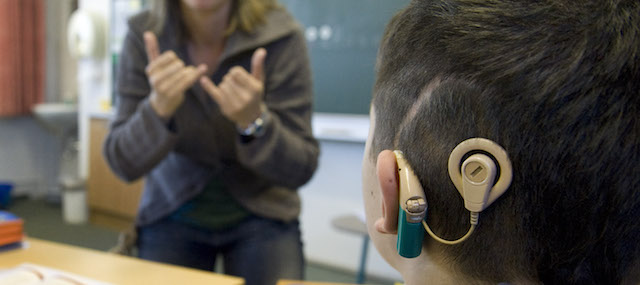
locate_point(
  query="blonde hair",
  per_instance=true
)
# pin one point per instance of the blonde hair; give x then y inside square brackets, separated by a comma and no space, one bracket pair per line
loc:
[246,15]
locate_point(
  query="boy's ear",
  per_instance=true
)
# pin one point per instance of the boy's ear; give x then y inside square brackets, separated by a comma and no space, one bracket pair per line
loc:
[387,173]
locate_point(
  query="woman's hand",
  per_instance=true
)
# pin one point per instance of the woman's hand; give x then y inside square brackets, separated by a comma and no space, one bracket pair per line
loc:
[169,77]
[240,93]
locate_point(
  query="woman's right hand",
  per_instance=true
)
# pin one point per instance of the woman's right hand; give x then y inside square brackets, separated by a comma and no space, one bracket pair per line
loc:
[169,77]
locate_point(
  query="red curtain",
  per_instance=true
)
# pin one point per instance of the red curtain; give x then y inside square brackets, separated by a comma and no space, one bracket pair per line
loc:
[22,55]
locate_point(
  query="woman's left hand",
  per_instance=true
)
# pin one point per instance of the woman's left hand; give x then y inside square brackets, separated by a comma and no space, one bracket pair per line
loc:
[240,93]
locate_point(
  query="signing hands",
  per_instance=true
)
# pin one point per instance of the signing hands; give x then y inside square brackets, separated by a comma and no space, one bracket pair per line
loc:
[239,95]
[168,76]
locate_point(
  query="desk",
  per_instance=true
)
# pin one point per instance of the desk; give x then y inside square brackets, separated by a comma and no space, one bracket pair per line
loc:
[108,267]
[300,282]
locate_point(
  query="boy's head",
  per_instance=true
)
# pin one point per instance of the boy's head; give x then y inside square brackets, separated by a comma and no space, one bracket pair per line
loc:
[557,85]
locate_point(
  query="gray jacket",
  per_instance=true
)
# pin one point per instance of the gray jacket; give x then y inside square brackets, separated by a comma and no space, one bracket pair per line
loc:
[199,143]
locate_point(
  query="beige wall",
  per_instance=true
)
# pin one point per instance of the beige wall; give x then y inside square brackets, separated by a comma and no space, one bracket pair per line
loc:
[61,83]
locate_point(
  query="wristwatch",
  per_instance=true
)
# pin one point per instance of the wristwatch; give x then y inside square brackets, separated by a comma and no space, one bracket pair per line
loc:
[255,129]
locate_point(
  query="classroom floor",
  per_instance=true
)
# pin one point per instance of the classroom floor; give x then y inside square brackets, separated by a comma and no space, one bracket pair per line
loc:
[43,219]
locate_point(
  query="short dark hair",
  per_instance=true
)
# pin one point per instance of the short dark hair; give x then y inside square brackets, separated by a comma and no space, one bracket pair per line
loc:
[557,84]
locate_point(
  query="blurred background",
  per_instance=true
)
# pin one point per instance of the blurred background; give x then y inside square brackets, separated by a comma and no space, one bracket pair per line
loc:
[57,60]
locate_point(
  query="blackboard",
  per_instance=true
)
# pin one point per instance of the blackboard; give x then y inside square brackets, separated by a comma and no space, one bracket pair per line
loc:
[343,38]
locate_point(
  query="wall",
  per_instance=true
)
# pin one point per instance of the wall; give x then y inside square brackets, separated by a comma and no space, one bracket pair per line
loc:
[94,81]
[29,153]
[29,157]
[336,189]
[61,68]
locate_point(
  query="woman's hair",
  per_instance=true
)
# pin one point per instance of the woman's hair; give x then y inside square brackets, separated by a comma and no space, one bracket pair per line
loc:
[246,15]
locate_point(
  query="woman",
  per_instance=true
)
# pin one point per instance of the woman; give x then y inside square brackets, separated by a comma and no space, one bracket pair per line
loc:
[214,106]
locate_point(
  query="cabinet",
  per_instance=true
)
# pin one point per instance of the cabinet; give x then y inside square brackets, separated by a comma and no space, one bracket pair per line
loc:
[112,202]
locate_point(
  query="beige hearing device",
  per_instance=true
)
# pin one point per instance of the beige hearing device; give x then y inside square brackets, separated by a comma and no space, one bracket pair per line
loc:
[474,178]
[412,210]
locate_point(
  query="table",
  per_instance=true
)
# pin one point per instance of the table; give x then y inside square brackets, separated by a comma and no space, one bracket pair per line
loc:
[301,282]
[108,267]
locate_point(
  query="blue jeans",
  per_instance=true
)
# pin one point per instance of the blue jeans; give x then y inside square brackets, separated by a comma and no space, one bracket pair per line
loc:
[260,250]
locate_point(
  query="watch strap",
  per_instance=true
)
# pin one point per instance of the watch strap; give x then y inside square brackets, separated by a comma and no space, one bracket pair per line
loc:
[255,128]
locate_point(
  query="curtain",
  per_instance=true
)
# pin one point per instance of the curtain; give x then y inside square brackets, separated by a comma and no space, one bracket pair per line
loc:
[22,56]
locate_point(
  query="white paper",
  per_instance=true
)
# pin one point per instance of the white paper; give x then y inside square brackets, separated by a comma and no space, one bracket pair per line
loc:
[32,274]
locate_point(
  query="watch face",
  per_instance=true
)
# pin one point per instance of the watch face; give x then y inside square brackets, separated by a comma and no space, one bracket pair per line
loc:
[250,130]
[254,128]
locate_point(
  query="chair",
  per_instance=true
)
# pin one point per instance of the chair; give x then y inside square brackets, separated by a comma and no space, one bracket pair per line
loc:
[355,225]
